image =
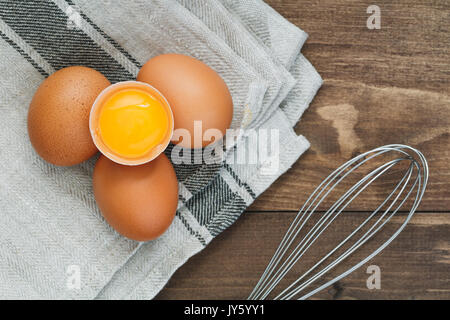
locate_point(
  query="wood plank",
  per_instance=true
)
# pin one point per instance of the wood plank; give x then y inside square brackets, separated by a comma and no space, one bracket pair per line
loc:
[409,51]
[415,266]
[380,86]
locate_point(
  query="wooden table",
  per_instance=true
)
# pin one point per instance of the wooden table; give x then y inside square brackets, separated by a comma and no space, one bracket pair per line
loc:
[380,86]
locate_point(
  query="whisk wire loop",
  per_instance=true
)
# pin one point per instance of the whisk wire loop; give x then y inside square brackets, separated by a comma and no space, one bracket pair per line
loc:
[282,261]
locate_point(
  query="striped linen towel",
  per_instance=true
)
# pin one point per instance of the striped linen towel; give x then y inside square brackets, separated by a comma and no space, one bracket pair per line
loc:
[49,222]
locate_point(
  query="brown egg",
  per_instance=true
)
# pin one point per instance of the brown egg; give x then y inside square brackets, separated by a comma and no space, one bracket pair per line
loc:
[58,118]
[138,201]
[194,92]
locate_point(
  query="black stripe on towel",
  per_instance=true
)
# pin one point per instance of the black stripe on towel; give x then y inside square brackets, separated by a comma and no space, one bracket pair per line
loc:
[217,206]
[206,204]
[24,54]
[44,27]
[227,215]
[239,181]
[191,231]
[107,37]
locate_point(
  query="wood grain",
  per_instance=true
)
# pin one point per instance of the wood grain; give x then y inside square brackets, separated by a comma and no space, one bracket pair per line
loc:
[380,86]
[415,266]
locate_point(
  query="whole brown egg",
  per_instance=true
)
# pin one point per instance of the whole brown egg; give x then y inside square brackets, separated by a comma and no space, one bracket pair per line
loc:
[195,92]
[140,201]
[58,117]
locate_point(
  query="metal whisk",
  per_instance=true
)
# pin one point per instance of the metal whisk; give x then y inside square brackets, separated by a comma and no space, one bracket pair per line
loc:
[293,247]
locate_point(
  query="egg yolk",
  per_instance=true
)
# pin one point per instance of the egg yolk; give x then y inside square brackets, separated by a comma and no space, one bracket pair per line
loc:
[132,122]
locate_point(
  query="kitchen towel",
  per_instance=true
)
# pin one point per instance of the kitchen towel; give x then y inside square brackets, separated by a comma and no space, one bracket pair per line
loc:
[49,223]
